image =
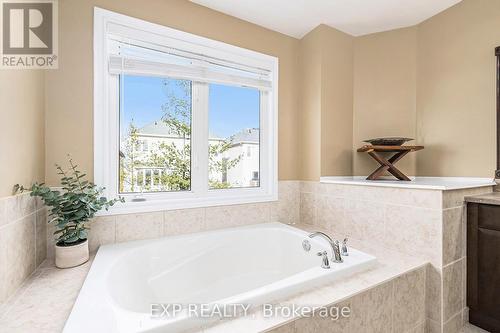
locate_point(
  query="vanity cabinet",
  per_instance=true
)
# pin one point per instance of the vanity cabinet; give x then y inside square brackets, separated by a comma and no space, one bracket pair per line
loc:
[483,265]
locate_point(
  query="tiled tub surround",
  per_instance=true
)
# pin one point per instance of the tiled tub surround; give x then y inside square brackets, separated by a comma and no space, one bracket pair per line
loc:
[23,245]
[424,223]
[387,298]
[396,305]
[26,239]
[421,225]
[121,228]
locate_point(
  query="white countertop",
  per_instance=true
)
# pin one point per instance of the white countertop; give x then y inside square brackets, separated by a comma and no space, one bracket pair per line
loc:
[430,183]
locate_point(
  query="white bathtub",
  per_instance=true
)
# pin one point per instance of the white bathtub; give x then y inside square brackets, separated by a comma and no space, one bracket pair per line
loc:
[244,265]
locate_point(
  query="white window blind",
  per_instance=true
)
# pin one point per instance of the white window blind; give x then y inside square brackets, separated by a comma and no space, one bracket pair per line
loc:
[134,57]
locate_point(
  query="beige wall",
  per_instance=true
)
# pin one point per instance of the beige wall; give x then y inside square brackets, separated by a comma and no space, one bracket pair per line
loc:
[21,128]
[336,103]
[384,92]
[326,103]
[434,82]
[456,90]
[69,89]
[310,106]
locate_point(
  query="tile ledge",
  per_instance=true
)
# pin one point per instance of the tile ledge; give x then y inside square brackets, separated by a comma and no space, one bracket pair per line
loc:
[423,183]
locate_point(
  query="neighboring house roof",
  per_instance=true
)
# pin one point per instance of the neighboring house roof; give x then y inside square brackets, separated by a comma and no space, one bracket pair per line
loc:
[159,128]
[247,135]
[156,128]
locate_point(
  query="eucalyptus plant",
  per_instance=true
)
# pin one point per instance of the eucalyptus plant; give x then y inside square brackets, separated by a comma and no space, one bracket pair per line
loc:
[72,207]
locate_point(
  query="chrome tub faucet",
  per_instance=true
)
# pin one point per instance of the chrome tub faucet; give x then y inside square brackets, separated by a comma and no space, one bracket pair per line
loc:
[335,245]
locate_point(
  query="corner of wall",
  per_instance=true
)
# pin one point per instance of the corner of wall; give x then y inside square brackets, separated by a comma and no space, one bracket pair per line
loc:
[326,108]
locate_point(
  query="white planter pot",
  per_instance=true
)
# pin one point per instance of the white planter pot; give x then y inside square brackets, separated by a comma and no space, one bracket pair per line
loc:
[71,256]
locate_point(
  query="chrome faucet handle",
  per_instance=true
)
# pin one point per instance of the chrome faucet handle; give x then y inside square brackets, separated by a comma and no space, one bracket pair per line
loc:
[344,251]
[337,258]
[306,245]
[324,259]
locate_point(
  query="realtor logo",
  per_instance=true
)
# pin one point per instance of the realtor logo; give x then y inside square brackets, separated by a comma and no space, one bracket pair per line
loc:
[29,34]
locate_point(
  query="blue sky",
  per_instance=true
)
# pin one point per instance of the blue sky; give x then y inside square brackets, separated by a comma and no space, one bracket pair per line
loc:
[231,108]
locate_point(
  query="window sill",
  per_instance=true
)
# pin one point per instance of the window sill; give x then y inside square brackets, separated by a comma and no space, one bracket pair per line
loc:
[148,206]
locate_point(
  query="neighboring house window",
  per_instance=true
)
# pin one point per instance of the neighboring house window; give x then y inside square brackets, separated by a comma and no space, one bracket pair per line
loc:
[180,120]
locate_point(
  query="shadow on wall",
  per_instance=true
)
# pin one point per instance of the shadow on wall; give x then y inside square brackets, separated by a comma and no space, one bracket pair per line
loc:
[436,153]
[339,163]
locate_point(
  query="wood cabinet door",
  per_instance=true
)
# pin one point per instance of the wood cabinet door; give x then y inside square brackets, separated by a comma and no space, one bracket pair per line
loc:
[483,266]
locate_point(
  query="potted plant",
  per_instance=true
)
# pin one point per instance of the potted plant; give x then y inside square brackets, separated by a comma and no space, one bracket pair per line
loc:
[70,209]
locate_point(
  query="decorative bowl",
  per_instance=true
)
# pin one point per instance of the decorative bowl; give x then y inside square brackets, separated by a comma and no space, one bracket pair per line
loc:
[392,141]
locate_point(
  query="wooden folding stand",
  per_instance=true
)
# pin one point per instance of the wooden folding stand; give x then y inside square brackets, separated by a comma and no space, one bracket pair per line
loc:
[388,164]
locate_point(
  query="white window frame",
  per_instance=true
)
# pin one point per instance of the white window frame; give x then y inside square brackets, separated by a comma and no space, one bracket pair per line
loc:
[106,125]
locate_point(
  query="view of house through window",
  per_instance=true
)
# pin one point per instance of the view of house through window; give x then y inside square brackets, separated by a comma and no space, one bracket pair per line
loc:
[234,136]
[155,135]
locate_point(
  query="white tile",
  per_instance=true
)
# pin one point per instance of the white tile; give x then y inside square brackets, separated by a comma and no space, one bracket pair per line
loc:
[139,226]
[17,254]
[47,301]
[41,236]
[372,310]
[453,235]
[330,214]
[307,208]
[50,239]
[102,231]
[287,328]
[395,196]
[433,294]
[432,326]
[221,217]
[308,186]
[364,220]
[286,209]
[18,206]
[254,213]
[184,221]
[454,325]
[453,289]
[415,231]
[237,215]
[409,300]
[455,198]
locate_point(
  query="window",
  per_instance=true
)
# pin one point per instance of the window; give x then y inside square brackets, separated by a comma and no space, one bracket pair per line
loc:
[156,112]
[233,118]
[179,120]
